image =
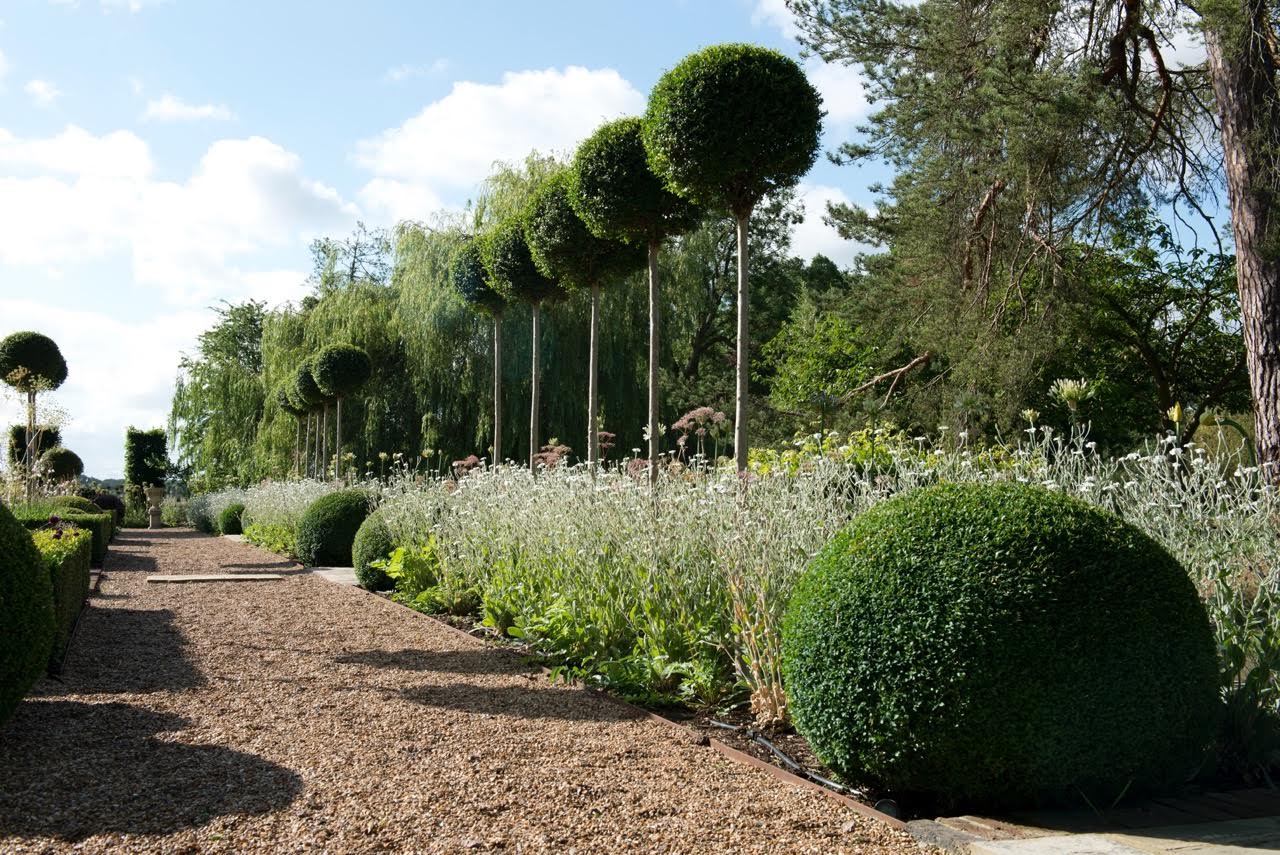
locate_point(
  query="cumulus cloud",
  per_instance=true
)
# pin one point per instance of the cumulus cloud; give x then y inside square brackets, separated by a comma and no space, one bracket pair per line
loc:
[813,236]
[170,108]
[75,198]
[774,13]
[401,73]
[451,145]
[42,92]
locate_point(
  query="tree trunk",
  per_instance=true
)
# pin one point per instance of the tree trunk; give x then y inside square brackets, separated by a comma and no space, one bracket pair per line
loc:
[337,439]
[535,391]
[315,446]
[497,391]
[1242,65]
[29,456]
[297,448]
[593,388]
[324,443]
[655,328]
[744,344]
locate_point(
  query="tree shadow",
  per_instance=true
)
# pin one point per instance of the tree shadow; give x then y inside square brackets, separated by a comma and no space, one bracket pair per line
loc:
[74,769]
[442,661]
[129,562]
[533,701]
[284,565]
[125,650]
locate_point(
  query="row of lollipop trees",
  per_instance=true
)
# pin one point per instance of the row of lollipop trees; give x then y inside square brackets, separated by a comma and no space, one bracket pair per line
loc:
[333,373]
[724,128]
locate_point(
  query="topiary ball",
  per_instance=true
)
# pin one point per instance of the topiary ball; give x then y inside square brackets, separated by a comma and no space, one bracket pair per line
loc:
[26,613]
[340,369]
[62,464]
[229,521]
[30,361]
[1000,645]
[79,503]
[328,528]
[373,543]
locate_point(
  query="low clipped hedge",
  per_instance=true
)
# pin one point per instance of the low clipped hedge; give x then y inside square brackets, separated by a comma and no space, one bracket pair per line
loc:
[82,505]
[67,554]
[26,613]
[100,525]
[229,520]
[373,543]
[328,528]
[1000,645]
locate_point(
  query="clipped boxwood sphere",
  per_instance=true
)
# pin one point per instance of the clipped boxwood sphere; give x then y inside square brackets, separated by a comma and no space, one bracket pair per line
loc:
[469,277]
[26,613]
[340,369]
[31,361]
[373,543]
[229,520]
[110,502]
[61,463]
[1000,644]
[78,503]
[329,526]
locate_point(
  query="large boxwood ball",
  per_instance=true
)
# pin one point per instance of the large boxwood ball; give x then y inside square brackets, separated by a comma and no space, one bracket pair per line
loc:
[1000,644]
[328,528]
[61,463]
[373,543]
[26,613]
[340,369]
[30,361]
[229,520]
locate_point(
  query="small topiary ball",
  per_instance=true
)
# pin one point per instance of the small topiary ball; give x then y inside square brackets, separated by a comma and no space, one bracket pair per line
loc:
[77,502]
[62,464]
[340,369]
[229,521]
[30,361]
[373,543]
[328,528]
[26,613]
[1000,645]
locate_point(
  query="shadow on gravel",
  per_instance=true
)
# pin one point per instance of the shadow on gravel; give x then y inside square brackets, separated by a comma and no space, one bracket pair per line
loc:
[282,566]
[125,650]
[443,661]
[129,562]
[73,770]
[537,700]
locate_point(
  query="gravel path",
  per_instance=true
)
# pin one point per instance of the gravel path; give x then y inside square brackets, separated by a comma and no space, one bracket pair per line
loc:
[301,715]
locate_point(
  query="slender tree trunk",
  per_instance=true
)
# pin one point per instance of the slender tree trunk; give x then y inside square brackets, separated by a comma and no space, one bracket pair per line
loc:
[297,449]
[315,445]
[29,456]
[655,330]
[593,386]
[324,443]
[535,393]
[744,345]
[497,390]
[337,439]
[1242,64]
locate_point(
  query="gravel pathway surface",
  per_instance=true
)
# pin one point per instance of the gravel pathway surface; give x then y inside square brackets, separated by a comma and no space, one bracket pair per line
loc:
[299,715]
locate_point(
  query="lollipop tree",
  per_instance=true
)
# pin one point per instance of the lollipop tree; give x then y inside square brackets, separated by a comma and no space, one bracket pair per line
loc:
[306,396]
[726,127]
[565,250]
[31,363]
[285,403]
[340,370]
[469,277]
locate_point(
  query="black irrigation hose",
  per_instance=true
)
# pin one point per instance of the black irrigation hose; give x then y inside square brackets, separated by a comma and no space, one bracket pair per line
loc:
[758,738]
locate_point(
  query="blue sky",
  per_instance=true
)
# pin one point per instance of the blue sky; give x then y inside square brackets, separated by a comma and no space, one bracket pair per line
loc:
[157,156]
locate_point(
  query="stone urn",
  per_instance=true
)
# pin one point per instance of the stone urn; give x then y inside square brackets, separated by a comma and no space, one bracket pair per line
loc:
[154,495]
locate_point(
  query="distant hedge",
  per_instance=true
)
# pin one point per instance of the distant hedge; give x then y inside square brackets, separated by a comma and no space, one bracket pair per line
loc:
[146,457]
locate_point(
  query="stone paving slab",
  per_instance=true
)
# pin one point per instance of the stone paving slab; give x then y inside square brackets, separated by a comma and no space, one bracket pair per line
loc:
[340,575]
[214,577]
[1234,837]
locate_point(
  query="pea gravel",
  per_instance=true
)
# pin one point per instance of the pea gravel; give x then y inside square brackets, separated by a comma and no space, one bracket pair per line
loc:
[303,716]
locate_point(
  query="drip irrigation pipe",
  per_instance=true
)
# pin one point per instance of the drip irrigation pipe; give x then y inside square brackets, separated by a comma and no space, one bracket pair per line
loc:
[759,738]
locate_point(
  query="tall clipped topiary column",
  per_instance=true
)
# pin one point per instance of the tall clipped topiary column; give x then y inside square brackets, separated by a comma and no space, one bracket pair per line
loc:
[340,369]
[306,395]
[725,127]
[469,277]
[146,463]
[617,195]
[511,269]
[565,250]
[31,363]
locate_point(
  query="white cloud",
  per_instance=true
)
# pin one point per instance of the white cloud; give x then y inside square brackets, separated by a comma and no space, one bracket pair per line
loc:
[42,92]
[775,13]
[170,108]
[191,240]
[451,145]
[401,73]
[4,66]
[843,95]
[813,236]
[101,352]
